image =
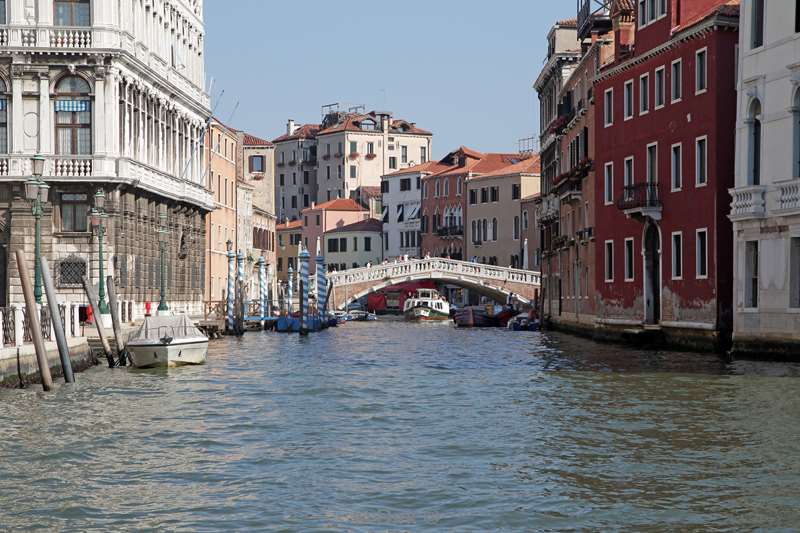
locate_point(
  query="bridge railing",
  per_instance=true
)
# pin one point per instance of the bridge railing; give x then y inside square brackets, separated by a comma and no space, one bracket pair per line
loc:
[434,265]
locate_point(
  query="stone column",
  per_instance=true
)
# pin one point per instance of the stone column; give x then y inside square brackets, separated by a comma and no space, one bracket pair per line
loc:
[127,143]
[45,129]
[112,113]
[16,110]
[175,149]
[140,139]
[16,11]
[99,118]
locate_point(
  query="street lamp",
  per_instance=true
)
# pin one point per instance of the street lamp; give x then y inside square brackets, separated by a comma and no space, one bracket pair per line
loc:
[98,216]
[36,192]
[162,247]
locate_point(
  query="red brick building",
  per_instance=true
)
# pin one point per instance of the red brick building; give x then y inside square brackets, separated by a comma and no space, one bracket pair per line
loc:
[444,200]
[664,142]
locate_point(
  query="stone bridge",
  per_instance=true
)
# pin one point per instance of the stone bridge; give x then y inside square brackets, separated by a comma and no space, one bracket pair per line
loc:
[491,281]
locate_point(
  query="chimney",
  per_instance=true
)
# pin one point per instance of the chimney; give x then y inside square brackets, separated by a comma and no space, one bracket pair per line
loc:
[623,22]
[290,127]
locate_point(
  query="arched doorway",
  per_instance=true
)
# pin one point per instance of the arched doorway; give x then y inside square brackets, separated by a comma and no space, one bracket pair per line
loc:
[652,274]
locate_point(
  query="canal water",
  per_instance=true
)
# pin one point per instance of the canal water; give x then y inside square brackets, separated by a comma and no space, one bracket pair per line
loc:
[395,427]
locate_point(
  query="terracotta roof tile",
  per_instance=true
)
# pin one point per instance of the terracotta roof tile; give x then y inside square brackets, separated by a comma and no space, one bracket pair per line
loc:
[294,224]
[338,204]
[531,165]
[252,140]
[352,121]
[726,9]
[369,224]
[431,167]
[306,131]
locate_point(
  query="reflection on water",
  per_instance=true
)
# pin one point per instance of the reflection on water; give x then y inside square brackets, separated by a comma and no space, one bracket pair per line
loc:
[394,426]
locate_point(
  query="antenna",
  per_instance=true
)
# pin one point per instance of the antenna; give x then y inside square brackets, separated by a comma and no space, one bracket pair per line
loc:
[236,107]
[528,145]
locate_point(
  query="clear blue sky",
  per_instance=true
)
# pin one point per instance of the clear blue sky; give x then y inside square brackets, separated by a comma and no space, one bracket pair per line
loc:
[462,69]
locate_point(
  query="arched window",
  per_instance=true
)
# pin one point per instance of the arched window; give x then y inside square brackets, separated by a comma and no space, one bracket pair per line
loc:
[494,229]
[437,191]
[754,134]
[3,118]
[796,120]
[516,228]
[475,237]
[485,230]
[72,13]
[447,186]
[73,117]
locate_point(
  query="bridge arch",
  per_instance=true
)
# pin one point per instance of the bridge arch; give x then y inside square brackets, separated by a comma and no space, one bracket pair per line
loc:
[491,281]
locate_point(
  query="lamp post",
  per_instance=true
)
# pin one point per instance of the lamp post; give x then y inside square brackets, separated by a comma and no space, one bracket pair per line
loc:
[36,191]
[162,247]
[98,216]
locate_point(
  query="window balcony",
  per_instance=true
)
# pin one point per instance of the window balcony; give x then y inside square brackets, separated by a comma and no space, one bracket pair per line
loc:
[640,201]
[450,231]
[748,202]
[789,197]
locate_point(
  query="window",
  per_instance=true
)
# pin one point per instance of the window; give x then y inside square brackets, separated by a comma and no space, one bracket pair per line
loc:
[393,163]
[282,180]
[642,13]
[794,272]
[609,261]
[355,244]
[3,19]
[652,163]
[367,244]
[796,127]
[701,161]
[628,259]
[677,80]
[608,189]
[3,106]
[495,227]
[702,254]
[628,97]
[333,245]
[701,71]
[484,195]
[73,117]
[294,202]
[74,212]
[306,200]
[485,230]
[458,186]
[405,184]
[627,178]
[343,244]
[515,191]
[327,173]
[677,166]
[294,178]
[71,271]
[797,16]
[677,255]
[525,220]
[662,8]
[751,274]
[516,228]
[384,186]
[758,24]
[419,183]
[475,237]
[660,88]
[401,213]
[353,171]
[473,196]
[339,171]
[280,264]
[370,148]
[437,189]
[494,194]
[754,148]
[256,163]
[72,13]
[306,177]
[447,186]
[644,94]
[423,154]
[353,147]
[404,154]
[608,108]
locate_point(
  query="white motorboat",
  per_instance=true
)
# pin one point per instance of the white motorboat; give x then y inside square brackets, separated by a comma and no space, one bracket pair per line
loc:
[426,305]
[167,341]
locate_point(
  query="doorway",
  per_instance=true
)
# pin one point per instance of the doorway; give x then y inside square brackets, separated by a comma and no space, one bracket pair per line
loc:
[652,275]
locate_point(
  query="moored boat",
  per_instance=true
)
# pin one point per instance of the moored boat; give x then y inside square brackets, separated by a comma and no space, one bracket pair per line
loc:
[167,341]
[483,316]
[426,305]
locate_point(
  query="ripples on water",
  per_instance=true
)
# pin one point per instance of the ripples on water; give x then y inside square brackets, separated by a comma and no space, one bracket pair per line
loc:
[389,426]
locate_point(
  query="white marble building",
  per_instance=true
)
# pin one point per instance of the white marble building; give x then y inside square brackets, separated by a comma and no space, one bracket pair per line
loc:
[111,94]
[766,199]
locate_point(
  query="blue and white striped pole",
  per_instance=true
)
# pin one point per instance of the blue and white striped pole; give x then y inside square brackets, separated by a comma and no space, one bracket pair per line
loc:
[262,285]
[322,282]
[241,279]
[290,292]
[231,296]
[304,275]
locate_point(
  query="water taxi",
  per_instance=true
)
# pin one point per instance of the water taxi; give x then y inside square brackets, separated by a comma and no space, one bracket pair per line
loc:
[426,305]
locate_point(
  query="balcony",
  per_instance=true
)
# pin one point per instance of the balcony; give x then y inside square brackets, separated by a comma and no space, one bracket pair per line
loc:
[585,234]
[450,231]
[749,202]
[311,162]
[593,15]
[640,201]
[572,194]
[789,197]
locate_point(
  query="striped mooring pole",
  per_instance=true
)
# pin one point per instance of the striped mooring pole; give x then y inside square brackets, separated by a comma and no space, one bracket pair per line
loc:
[290,292]
[262,285]
[304,275]
[240,278]
[322,281]
[231,296]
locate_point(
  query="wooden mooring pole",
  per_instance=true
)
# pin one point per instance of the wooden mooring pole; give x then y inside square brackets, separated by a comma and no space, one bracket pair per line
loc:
[115,323]
[55,318]
[33,323]
[92,297]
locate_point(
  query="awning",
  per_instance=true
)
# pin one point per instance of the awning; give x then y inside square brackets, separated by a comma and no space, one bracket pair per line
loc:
[385,216]
[414,215]
[400,213]
[73,106]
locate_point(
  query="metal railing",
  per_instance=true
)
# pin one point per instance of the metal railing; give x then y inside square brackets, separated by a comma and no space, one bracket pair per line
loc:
[9,327]
[450,231]
[640,196]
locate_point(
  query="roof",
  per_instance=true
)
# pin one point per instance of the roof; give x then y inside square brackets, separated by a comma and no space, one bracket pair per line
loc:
[431,167]
[369,191]
[294,224]
[568,23]
[531,165]
[252,140]
[352,122]
[476,162]
[370,224]
[727,9]
[306,131]
[339,204]
[531,198]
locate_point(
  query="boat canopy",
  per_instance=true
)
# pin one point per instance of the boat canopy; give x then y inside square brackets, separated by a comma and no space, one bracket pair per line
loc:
[155,328]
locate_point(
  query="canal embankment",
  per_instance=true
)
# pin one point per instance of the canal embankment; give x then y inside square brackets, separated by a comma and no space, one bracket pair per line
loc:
[18,364]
